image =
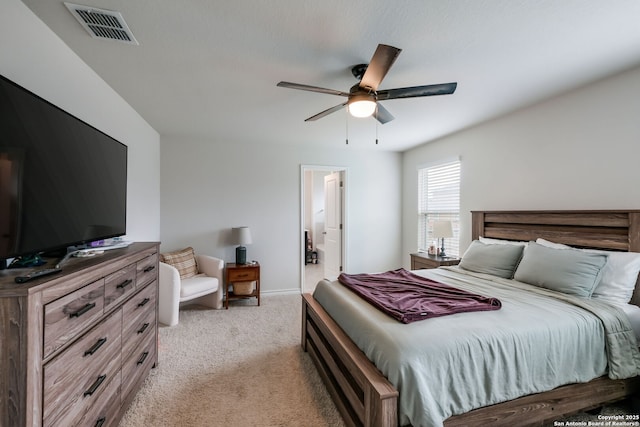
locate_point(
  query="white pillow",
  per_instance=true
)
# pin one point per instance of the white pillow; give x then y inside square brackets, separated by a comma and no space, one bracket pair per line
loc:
[619,275]
[554,245]
[490,241]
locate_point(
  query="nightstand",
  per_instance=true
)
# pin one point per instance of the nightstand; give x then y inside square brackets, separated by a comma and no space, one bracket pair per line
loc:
[236,273]
[421,260]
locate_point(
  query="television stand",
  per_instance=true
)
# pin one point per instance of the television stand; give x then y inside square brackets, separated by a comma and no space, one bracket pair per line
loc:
[78,345]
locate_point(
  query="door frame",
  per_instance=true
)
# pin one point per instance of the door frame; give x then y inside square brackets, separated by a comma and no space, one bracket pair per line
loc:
[345,209]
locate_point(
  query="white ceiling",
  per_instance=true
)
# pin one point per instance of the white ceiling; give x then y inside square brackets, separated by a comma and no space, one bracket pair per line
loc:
[208,68]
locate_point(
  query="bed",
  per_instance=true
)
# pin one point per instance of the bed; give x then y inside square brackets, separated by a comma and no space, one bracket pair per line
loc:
[364,396]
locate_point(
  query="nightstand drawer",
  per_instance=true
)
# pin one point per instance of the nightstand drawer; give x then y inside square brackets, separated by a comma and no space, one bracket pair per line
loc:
[243,275]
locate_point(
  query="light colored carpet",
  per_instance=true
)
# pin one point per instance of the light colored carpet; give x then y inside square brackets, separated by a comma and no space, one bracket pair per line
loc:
[243,367]
[238,367]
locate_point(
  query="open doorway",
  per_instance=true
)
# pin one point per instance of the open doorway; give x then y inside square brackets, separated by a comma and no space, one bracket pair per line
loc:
[323,224]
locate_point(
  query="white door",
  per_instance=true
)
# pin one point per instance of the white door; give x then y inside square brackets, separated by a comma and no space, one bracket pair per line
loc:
[332,226]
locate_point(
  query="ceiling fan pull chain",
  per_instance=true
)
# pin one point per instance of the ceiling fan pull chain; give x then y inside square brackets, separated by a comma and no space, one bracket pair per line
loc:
[346,122]
[376,123]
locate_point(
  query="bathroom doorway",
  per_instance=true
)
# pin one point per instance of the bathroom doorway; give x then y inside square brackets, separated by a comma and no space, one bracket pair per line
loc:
[324,225]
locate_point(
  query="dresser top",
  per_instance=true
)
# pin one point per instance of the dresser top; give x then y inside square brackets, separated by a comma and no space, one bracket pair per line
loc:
[73,267]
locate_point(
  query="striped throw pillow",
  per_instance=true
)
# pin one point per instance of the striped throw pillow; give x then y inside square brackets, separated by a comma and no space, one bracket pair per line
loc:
[183,260]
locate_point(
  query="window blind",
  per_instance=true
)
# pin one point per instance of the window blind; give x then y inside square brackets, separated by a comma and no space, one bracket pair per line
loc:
[439,200]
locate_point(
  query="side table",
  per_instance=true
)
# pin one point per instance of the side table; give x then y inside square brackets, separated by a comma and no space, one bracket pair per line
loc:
[422,260]
[241,273]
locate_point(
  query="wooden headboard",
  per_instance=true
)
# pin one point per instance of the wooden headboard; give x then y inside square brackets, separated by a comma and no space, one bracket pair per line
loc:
[617,230]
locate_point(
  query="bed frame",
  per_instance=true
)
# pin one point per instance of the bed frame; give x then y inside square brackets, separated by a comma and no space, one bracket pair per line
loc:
[365,397]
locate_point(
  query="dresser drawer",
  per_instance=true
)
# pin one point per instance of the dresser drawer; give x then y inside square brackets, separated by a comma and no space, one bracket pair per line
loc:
[119,285]
[141,303]
[100,409]
[139,324]
[146,270]
[67,317]
[243,275]
[105,409]
[77,377]
[137,365]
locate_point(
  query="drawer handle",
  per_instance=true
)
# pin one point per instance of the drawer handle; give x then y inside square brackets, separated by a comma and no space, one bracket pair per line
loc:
[95,385]
[100,421]
[124,284]
[142,358]
[243,275]
[144,328]
[95,347]
[83,310]
[144,302]
[150,268]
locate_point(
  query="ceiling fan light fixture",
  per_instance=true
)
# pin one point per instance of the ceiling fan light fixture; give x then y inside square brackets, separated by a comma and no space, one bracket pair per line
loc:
[362,98]
[362,105]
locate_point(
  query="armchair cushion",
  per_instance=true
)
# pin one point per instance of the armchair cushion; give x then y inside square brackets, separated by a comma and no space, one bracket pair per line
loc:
[197,286]
[183,260]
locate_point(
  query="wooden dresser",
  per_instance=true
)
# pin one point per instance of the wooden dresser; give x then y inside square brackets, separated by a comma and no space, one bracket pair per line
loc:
[75,347]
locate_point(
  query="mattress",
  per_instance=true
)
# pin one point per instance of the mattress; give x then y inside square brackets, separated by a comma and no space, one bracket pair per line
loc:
[450,365]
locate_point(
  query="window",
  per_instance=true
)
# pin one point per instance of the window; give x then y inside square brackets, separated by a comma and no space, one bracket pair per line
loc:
[439,200]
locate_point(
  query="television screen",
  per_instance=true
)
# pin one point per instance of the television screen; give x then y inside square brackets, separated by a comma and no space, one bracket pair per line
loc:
[62,182]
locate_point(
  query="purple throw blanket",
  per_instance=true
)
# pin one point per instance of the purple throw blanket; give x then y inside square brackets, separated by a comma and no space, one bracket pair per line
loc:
[408,297]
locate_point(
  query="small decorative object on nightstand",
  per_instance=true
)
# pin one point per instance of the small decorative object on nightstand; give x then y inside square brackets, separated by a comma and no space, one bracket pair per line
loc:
[421,260]
[244,276]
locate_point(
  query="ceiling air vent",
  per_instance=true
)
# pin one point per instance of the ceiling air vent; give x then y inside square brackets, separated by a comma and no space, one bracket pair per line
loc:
[102,24]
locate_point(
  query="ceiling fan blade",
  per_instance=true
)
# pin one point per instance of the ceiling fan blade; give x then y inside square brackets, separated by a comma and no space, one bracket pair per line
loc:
[312,88]
[416,91]
[382,114]
[380,63]
[326,112]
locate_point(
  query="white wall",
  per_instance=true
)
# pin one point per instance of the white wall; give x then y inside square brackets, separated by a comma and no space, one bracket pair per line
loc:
[35,58]
[209,187]
[575,151]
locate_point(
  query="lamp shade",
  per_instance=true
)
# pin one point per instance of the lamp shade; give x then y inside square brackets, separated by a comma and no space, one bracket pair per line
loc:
[442,229]
[362,105]
[241,235]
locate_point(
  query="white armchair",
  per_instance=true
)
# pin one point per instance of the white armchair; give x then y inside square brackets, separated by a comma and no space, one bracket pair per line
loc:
[206,288]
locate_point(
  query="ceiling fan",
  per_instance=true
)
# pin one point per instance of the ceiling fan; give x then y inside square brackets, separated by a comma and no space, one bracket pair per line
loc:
[363,97]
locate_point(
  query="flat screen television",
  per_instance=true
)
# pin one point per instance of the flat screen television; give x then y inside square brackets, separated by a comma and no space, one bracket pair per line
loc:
[62,182]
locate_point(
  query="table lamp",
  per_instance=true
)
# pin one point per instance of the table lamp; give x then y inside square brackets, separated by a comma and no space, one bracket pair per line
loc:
[441,230]
[241,236]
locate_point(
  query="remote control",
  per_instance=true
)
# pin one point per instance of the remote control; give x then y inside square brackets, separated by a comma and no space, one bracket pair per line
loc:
[36,274]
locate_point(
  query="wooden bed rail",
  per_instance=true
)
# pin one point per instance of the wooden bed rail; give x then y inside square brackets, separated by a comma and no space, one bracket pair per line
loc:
[539,409]
[362,394]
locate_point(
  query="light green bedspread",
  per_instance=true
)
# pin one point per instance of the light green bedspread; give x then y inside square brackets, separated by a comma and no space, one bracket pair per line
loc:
[537,341]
